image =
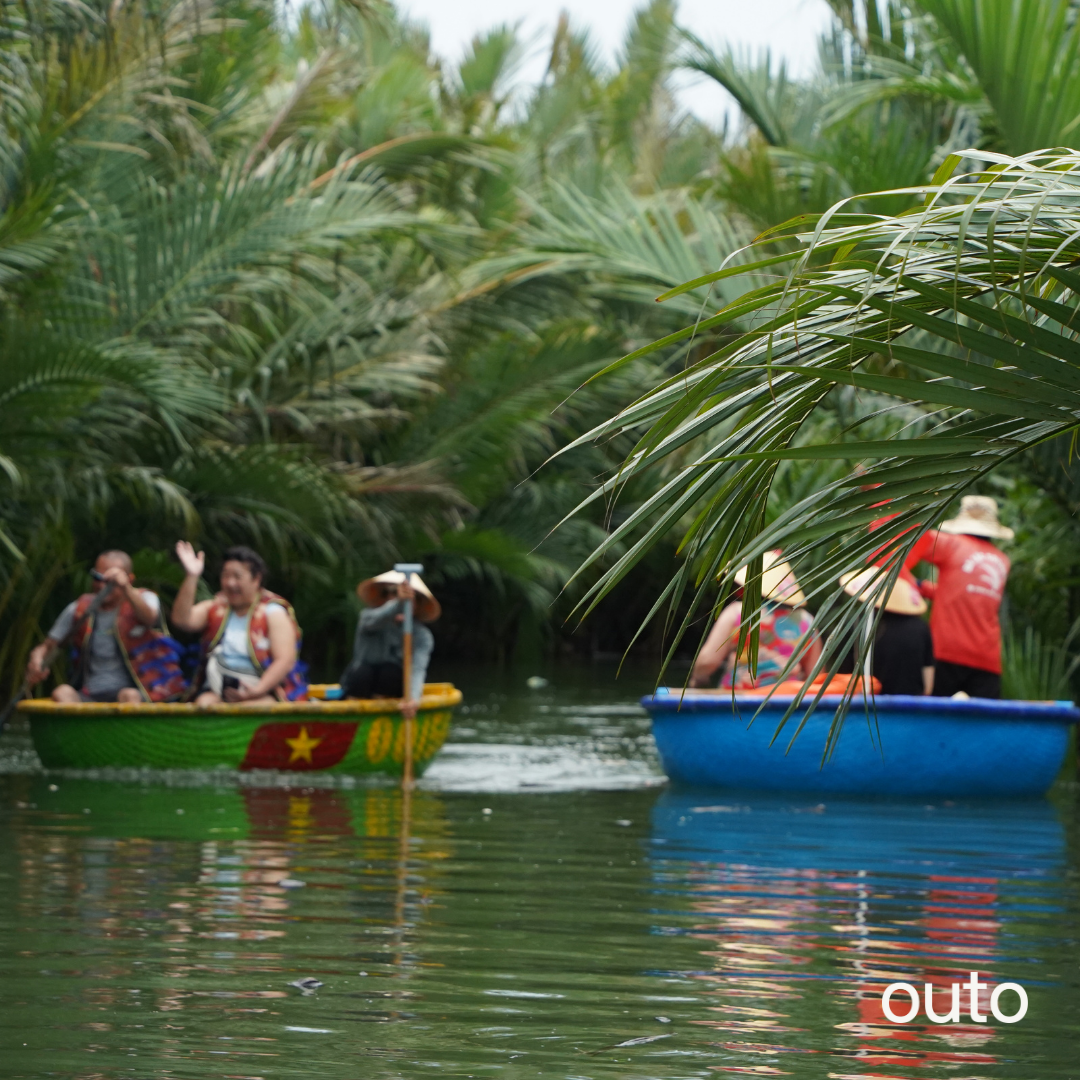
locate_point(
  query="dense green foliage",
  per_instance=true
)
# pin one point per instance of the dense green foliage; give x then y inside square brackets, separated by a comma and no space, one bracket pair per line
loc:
[303,285]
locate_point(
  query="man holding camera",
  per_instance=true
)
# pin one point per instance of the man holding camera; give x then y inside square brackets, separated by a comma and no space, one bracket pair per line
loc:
[122,649]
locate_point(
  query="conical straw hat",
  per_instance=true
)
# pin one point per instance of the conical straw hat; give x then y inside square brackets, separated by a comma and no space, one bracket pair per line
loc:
[777,580]
[903,600]
[373,592]
[978,517]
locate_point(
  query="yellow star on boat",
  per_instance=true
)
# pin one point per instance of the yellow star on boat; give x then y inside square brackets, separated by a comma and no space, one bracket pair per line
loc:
[302,746]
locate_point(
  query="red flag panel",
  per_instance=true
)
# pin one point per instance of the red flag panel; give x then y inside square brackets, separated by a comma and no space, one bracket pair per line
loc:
[299,747]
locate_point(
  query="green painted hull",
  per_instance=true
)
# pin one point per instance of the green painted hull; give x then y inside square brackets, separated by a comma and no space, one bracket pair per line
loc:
[355,737]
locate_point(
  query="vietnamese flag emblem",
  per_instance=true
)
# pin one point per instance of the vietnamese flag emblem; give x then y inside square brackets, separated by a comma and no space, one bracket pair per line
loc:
[299,747]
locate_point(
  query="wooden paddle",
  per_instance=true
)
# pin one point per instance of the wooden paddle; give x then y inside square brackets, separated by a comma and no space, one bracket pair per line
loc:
[407,569]
[50,656]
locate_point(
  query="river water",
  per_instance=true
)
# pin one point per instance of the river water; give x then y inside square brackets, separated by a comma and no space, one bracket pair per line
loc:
[554,910]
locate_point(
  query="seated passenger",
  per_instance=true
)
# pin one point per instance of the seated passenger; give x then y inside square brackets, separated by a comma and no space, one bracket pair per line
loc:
[376,668]
[785,627]
[123,652]
[250,637]
[903,658]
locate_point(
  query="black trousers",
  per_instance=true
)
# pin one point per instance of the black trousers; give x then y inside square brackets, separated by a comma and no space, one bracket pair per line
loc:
[950,678]
[372,680]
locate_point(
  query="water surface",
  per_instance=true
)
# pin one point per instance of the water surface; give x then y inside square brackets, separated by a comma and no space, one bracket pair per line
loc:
[552,909]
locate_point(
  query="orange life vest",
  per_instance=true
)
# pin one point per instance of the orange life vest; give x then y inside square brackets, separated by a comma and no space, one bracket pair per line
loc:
[150,655]
[294,686]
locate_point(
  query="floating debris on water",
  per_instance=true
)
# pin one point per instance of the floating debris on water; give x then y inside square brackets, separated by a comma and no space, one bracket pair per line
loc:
[640,1041]
[520,994]
[291,883]
[537,682]
[306,986]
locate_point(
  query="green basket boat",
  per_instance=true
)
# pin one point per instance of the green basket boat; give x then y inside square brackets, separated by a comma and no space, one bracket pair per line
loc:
[320,735]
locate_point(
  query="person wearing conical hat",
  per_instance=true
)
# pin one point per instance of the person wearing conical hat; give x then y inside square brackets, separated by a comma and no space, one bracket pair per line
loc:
[376,668]
[903,660]
[784,629]
[964,620]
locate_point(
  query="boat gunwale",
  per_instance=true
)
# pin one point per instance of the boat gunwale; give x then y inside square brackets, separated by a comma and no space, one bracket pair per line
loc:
[698,701]
[314,708]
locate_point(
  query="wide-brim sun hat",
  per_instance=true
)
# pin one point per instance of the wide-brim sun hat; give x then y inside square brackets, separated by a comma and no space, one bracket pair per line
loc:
[904,599]
[978,517]
[373,592]
[778,581]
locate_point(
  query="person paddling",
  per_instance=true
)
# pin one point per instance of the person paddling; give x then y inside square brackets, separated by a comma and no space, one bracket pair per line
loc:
[964,620]
[377,667]
[784,628]
[250,637]
[903,660]
[123,651]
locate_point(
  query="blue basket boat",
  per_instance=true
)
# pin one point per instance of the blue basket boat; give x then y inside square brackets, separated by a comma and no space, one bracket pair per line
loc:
[921,746]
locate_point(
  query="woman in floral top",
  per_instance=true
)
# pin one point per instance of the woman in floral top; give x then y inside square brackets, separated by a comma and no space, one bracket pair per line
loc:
[783,631]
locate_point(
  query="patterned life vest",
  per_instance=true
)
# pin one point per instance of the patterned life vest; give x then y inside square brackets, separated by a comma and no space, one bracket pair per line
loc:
[294,686]
[150,655]
[780,632]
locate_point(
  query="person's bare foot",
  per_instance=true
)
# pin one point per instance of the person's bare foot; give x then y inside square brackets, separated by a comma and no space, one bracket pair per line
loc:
[66,695]
[207,698]
[129,696]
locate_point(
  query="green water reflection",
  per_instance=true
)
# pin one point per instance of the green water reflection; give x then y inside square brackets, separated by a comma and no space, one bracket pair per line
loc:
[149,930]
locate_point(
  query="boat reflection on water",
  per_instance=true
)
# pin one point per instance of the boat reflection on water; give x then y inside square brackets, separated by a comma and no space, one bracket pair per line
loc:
[807,911]
[228,894]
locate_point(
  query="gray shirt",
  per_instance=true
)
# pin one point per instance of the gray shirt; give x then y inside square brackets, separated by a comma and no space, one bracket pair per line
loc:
[380,639]
[105,671]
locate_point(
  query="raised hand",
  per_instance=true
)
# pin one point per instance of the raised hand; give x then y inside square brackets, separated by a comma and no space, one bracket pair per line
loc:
[192,563]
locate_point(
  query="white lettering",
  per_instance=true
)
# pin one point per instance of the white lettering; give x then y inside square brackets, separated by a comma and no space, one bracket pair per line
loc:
[990,568]
[886,1002]
[974,986]
[1021,993]
[975,990]
[953,1015]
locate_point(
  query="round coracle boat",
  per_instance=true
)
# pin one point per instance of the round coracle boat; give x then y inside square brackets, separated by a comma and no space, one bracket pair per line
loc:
[324,734]
[892,745]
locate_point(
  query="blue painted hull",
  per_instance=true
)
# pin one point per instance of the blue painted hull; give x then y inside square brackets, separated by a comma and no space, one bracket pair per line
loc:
[927,746]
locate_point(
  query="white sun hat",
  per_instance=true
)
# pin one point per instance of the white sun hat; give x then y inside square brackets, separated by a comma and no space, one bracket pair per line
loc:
[978,517]
[904,599]
[777,580]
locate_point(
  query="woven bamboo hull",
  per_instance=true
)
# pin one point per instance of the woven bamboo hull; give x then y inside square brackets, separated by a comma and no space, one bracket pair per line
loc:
[353,737]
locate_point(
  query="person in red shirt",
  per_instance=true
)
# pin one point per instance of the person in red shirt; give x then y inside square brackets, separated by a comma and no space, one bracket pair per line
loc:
[967,597]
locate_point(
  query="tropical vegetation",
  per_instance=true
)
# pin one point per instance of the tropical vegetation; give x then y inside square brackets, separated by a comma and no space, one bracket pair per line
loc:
[287,278]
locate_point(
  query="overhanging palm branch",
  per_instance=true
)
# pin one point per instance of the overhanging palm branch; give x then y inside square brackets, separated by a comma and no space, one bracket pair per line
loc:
[967,307]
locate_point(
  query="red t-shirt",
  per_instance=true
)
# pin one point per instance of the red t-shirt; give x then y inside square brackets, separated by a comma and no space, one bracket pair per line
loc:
[971,581]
